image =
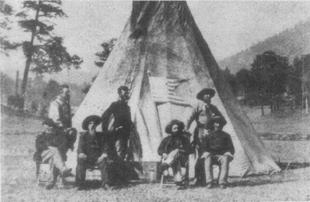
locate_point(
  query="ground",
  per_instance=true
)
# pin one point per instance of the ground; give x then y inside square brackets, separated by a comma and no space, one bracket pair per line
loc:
[18,170]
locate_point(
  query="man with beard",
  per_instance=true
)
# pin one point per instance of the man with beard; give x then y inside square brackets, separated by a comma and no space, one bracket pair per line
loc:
[49,149]
[174,149]
[120,131]
[60,113]
[92,151]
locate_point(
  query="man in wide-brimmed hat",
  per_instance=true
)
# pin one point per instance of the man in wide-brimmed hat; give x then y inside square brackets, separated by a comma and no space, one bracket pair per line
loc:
[203,113]
[217,148]
[50,146]
[92,151]
[175,148]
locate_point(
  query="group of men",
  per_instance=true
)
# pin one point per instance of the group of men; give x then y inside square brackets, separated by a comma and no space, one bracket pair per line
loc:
[107,150]
[210,144]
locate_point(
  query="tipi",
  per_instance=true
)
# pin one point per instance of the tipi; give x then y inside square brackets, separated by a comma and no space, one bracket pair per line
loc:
[162,57]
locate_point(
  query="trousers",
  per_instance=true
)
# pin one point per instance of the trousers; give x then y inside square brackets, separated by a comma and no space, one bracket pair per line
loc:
[176,160]
[56,162]
[223,162]
[83,164]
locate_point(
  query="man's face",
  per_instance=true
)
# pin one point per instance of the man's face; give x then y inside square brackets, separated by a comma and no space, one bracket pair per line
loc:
[216,126]
[206,98]
[65,93]
[48,129]
[92,126]
[124,95]
[175,129]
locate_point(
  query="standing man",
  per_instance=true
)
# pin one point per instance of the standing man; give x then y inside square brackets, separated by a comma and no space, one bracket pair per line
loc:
[92,151]
[60,113]
[49,149]
[217,149]
[203,113]
[119,130]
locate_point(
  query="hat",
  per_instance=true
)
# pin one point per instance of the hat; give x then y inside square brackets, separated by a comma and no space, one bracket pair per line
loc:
[124,88]
[174,122]
[214,120]
[48,122]
[87,120]
[63,86]
[208,91]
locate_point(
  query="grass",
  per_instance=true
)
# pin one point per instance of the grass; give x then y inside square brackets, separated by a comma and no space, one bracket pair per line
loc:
[18,171]
[279,122]
[18,184]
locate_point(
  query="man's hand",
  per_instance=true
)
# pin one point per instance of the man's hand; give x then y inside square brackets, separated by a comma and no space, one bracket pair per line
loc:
[103,156]
[118,128]
[205,155]
[229,155]
[82,156]
[165,156]
[205,132]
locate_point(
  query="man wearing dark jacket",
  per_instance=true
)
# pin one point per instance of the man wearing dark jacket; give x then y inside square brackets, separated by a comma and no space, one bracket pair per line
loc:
[50,148]
[175,148]
[217,148]
[92,151]
[120,130]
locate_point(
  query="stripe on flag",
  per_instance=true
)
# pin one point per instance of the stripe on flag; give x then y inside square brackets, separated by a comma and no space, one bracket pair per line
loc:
[163,90]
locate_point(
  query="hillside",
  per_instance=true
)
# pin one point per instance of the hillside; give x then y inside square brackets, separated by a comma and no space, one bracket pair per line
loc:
[290,43]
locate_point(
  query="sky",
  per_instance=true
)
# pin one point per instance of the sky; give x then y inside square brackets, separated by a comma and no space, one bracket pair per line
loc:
[227,26]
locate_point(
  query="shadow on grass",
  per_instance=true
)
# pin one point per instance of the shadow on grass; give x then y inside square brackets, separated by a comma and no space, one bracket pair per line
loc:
[258,182]
[293,165]
[281,177]
[97,184]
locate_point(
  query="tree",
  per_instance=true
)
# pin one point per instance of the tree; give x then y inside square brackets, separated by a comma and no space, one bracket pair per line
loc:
[296,79]
[44,52]
[271,72]
[104,54]
[231,80]
[245,80]
[6,11]
[102,58]
[87,86]
[246,85]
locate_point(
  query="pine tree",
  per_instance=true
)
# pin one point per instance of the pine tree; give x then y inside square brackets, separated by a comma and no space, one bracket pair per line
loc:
[44,51]
[104,54]
[5,12]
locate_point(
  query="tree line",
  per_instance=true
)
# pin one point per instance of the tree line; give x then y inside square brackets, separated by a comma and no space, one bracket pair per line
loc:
[271,77]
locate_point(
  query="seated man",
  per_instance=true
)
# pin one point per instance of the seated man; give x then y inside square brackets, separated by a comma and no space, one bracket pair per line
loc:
[92,151]
[50,146]
[175,148]
[217,147]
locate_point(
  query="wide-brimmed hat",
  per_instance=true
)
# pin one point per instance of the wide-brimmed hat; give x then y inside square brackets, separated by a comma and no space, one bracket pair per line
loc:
[174,122]
[87,120]
[48,122]
[204,91]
